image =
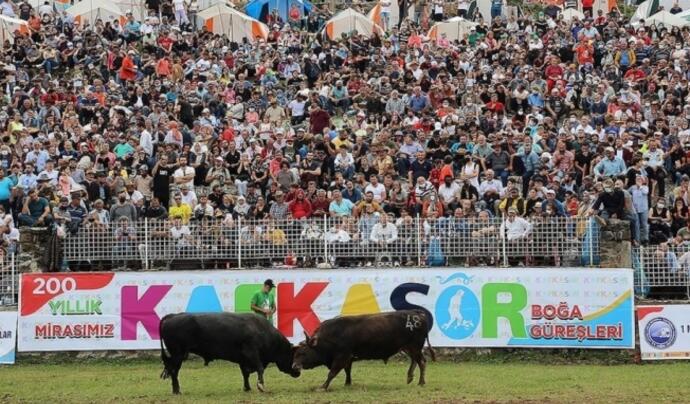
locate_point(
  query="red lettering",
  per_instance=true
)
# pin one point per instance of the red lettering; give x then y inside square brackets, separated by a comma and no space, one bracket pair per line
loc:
[293,307]
[559,331]
[612,332]
[536,312]
[601,331]
[41,331]
[570,331]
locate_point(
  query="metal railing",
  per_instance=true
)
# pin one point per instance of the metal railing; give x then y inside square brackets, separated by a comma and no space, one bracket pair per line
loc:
[331,242]
[8,279]
[662,270]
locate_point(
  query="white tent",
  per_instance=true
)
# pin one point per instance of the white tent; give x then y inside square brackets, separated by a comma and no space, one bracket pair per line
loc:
[88,11]
[8,25]
[666,19]
[570,14]
[684,15]
[455,29]
[649,7]
[347,21]
[222,19]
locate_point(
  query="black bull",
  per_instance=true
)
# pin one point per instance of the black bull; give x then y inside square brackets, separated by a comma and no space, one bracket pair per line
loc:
[340,341]
[246,339]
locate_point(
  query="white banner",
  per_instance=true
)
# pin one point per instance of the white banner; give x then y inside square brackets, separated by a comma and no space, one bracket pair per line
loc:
[8,336]
[469,307]
[664,331]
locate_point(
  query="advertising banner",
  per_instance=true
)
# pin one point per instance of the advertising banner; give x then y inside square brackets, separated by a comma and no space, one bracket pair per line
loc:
[469,307]
[664,331]
[8,336]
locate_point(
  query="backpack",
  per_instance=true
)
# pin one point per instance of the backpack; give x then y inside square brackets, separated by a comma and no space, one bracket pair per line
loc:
[435,256]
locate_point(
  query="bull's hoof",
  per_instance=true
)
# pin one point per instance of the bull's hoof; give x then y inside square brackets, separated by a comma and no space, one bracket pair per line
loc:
[422,382]
[348,382]
[409,379]
[177,393]
[247,388]
[261,387]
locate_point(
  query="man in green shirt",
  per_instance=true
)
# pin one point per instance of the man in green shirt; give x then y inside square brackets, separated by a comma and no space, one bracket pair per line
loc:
[263,301]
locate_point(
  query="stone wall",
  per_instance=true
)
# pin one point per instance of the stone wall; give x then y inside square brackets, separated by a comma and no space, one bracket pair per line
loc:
[33,243]
[615,244]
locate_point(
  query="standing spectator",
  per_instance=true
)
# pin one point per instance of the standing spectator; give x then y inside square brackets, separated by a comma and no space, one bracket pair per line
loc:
[640,199]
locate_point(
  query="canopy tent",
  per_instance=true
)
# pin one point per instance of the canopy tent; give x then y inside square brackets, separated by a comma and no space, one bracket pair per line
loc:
[222,19]
[684,15]
[348,21]
[455,29]
[261,9]
[570,14]
[88,11]
[651,7]
[666,19]
[8,25]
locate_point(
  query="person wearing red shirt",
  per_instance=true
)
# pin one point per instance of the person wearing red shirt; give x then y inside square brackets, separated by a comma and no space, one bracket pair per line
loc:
[587,6]
[128,71]
[495,105]
[635,74]
[585,53]
[300,207]
[553,72]
[165,43]
[318,119]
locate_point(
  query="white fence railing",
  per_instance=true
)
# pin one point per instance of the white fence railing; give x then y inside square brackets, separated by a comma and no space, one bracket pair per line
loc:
[662,270]
[340,241]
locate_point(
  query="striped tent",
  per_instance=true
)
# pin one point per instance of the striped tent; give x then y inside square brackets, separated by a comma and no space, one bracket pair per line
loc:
[88,11]
[349,21]
[8,26]
[223,19]
[455,29]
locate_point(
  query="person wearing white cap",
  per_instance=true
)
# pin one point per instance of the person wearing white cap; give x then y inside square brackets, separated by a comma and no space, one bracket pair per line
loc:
[553,204]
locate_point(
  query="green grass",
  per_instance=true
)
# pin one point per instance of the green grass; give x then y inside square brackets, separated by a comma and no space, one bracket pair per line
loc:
[373,382]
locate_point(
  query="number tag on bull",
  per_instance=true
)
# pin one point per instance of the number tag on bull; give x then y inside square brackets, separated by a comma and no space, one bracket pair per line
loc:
[413,321]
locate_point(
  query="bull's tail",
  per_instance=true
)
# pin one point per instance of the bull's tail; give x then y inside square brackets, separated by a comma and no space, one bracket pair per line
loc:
[431,349]
[165,356]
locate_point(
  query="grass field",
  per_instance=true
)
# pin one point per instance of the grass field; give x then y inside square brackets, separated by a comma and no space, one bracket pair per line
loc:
[373,382]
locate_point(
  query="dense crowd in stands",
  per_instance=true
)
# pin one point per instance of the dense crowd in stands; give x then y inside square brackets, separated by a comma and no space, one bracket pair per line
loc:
[525,118]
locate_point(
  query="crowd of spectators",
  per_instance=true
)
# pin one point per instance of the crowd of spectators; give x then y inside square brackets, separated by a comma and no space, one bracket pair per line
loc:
[524,119]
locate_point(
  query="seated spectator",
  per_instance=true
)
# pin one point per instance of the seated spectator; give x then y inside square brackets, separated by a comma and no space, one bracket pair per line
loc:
[180,210]
[300,207]
[340,206]
[36,211]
